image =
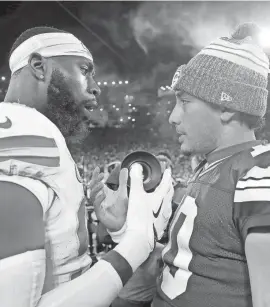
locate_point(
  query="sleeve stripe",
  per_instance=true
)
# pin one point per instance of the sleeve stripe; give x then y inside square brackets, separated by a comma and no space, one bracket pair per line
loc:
[43,161]
[253,178]
[30,152]
[258,150]
[257,172]
[252,195]
[120,264]
[254,188]
[253,184]
[26,141]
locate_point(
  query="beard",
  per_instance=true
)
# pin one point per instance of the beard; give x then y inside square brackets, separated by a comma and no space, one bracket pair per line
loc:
[63,111]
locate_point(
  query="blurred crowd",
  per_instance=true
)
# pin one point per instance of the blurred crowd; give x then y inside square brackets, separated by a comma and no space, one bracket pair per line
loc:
[104,149]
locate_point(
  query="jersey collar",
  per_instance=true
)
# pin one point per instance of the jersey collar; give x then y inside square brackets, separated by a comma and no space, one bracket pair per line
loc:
[229,151]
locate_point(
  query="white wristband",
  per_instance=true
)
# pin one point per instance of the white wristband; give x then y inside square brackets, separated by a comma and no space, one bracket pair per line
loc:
[118,235]
[135,248]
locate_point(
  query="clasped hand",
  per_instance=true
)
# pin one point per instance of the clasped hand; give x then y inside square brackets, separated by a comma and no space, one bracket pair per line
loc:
[111,207]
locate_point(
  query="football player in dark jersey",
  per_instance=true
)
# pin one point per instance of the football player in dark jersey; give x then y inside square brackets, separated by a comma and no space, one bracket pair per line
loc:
[218,251]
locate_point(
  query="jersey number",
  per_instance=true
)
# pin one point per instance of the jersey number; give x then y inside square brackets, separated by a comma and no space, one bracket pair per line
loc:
[177,255]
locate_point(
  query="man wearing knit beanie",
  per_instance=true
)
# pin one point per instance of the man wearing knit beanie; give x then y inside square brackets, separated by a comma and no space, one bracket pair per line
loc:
[218,251]
[212,258]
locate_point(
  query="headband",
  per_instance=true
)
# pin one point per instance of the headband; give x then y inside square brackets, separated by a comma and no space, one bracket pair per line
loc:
[47,45]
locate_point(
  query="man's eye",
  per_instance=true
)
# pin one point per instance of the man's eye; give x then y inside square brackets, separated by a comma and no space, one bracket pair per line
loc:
[85,70]
[184,101]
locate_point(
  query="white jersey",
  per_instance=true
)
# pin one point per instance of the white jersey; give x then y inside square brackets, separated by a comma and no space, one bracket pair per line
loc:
[33,153]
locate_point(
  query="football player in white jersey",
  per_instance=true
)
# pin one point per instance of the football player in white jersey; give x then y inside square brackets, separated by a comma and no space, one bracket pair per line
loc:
[218,251]
[43,236]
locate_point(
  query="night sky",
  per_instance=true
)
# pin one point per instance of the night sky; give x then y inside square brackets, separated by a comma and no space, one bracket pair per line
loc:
[137,40]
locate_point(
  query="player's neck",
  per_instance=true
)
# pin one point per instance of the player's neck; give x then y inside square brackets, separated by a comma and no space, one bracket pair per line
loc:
[20,93]
[235,137]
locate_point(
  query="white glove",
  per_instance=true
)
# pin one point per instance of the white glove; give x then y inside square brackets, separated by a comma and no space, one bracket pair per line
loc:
[159,202]
[162,213]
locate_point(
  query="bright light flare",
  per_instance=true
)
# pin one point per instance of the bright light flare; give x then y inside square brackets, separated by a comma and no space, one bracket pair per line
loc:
[264,37]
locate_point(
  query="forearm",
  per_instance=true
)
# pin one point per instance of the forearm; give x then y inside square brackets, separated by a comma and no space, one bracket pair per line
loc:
[100,285]
[96,288]
[257,253]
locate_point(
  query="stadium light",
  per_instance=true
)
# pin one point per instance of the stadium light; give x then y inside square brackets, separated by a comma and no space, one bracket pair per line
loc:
[133,108]
[133,119]
[105,83]
[126,82]
[101,109]
[120,82]
[121,119]
[113,82]
[99,83]
[129,104]
[264,37]
[117,109]
[3,78]
[129,117]
[113,106]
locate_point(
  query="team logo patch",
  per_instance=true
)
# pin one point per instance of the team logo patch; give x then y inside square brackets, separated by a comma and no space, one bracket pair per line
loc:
[176,76]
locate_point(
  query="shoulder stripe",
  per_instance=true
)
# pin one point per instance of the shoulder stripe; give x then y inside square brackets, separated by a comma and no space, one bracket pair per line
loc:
[252,195]
[255,188]
[43,161]
[253,178]
[257,172]
[259,149]
[30,151]
[26,141]
[253,183]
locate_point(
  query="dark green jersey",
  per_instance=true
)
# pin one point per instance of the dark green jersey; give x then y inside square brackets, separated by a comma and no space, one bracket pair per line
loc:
[204,261]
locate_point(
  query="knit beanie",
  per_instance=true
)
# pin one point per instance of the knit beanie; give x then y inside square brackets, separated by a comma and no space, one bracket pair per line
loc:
[231,71]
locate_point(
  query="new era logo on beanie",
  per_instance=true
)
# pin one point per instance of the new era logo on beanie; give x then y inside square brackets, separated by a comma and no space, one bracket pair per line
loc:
[231,71]
[225,97]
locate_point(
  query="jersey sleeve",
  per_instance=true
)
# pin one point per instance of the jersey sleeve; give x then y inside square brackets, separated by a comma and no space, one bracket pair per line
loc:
[97,287]
[22,279]
[42,192]
[252,200]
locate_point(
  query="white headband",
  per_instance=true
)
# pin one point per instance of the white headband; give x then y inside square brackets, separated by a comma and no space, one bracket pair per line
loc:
[47,45]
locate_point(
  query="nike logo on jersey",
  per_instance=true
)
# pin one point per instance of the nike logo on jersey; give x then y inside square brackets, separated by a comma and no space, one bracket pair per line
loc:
[7,124]
[156,214]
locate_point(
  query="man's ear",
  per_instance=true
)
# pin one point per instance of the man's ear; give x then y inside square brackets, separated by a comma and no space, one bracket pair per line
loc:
[37,65]
[226,115]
